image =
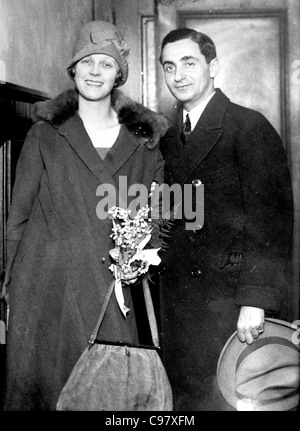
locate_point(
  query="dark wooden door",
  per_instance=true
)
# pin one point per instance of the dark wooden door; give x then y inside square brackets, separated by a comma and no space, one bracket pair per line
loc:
[15,109]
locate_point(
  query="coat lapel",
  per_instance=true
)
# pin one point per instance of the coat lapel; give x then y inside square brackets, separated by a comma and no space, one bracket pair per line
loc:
[207,131]
[104,170]
[200,143]
[122,150]
[177,159]
[76,135]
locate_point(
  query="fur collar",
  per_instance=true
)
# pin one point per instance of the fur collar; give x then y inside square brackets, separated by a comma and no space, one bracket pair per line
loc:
[145,124]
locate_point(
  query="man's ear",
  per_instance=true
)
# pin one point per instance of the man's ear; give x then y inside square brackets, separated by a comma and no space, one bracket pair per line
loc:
[214,67]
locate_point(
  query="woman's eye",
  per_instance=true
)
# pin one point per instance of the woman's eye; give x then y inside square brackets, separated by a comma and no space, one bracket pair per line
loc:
[190,64]
[86,61]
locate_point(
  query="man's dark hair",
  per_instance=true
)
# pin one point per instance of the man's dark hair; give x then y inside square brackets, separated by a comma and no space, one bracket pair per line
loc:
[206,45]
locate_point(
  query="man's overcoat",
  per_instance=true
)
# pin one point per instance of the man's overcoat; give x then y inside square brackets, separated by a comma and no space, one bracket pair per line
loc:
[241,254]
[60,245]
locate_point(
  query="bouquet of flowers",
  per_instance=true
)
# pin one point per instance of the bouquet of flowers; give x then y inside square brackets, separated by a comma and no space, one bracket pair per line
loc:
[130,235]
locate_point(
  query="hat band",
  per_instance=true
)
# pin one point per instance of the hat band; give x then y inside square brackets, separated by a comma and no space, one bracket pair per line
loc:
[263,342]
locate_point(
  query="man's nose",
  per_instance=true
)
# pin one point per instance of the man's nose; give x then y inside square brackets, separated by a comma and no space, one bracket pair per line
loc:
[179,74]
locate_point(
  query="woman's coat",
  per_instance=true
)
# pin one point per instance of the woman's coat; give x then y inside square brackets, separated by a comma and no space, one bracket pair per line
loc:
[60,247]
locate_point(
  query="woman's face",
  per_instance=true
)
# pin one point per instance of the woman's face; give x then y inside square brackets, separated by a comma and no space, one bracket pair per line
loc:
[95,76]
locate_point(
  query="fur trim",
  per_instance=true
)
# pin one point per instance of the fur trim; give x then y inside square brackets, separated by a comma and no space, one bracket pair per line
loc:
[145,124]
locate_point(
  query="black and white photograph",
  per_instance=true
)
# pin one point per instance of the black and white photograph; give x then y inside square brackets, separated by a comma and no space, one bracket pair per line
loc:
[149,208]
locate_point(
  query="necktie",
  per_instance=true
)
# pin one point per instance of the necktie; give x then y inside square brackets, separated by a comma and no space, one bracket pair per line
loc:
[187,129]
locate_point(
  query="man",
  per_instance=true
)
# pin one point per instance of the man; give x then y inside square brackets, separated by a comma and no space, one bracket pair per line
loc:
[232,272]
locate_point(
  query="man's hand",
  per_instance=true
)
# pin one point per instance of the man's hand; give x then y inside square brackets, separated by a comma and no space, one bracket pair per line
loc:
[250,323]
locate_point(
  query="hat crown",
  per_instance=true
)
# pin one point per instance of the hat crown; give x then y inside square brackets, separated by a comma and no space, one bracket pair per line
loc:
[99,33]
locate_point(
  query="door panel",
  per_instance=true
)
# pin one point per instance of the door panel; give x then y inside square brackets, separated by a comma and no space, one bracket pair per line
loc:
[250,48]
[15,109]
[251,61]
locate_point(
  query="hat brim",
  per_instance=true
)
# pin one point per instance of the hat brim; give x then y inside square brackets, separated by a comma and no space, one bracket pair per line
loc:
[226,368]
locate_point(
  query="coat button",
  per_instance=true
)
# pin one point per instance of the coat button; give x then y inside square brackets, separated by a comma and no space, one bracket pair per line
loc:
[103,260]
[161,270]
[196,272]
[196,182]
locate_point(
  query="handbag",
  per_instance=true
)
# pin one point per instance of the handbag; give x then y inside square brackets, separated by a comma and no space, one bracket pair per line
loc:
[118,376]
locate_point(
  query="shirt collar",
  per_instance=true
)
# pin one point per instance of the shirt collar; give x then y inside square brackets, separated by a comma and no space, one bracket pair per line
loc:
[196,112]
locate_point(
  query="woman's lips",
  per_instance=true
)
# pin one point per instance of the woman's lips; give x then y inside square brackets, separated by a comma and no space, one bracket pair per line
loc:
[94,83]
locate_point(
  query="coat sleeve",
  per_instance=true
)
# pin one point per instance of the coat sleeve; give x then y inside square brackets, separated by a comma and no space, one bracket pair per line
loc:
[268,208]
[156,204]
[160,164]
[25,190]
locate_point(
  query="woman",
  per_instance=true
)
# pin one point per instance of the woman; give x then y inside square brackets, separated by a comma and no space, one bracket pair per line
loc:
[58,246]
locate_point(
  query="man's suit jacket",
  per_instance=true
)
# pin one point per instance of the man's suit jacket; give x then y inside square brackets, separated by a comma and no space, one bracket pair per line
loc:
[240,256]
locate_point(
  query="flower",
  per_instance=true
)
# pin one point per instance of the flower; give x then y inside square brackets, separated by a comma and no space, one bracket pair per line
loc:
[131,235]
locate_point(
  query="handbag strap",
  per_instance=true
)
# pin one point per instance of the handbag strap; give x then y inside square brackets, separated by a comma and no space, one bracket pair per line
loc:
[150,311]
[102,312]
[149,308]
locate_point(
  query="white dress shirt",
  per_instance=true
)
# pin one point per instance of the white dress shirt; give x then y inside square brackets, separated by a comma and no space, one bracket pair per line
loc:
[196,112]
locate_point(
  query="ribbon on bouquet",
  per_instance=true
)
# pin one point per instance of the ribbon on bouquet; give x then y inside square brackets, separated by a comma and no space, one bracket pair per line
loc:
[119,290]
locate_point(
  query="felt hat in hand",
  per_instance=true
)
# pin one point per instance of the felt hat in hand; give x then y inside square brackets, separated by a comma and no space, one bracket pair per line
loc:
[262,376]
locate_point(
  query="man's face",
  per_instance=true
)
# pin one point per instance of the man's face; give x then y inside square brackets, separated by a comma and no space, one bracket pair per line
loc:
[187,74]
